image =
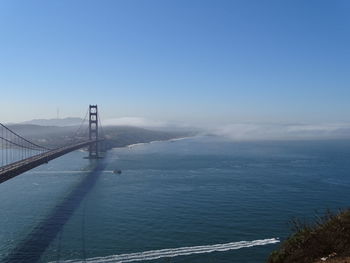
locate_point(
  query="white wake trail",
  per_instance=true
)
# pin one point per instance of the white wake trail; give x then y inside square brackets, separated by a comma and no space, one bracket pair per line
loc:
[67,172]
[174,252]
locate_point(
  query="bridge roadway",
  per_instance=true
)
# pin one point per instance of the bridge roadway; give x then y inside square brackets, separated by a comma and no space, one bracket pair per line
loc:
[9,171]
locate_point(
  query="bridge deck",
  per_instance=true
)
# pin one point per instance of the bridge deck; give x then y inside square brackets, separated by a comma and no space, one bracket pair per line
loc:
[9,171]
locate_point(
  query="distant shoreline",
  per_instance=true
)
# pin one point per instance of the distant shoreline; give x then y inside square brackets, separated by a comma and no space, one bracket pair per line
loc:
[143,143]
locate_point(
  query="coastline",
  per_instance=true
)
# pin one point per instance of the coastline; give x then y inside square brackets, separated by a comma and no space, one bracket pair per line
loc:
[155,141]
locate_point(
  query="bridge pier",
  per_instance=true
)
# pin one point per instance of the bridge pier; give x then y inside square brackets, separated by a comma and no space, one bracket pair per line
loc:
[93,132]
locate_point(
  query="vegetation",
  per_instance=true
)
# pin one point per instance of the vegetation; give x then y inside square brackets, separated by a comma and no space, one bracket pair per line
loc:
[122,136]
[327,239]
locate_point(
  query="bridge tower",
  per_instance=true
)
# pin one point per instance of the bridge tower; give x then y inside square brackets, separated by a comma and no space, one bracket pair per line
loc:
[93,131]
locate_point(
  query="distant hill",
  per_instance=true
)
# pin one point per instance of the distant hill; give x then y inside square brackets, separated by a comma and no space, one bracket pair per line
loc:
[71,121]
[115,136]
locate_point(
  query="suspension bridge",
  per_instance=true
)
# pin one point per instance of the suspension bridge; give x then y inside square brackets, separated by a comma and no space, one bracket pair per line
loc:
[19,154]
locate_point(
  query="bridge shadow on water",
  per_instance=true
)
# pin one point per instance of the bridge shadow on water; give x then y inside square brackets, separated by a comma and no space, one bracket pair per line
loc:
[32,248]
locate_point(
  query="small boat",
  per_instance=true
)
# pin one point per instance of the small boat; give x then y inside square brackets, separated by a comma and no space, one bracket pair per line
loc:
[117,171]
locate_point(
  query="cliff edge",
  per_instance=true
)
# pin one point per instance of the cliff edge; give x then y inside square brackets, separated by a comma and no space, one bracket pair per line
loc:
[325,240]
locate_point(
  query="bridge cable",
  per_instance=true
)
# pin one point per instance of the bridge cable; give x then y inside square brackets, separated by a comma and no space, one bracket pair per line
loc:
[81,124]
[101,127]
[19,145]
[103,143]
[24,139]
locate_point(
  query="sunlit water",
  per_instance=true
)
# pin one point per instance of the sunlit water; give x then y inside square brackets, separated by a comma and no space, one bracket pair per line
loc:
[203,191]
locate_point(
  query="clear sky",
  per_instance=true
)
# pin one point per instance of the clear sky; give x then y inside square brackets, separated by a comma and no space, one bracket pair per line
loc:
[176,60]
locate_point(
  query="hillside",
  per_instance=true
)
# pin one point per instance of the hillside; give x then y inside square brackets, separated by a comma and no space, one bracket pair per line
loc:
[325,240]
[116,136]
[70,121]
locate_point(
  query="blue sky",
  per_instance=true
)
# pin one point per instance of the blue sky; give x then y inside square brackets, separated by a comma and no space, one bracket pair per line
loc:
[177,60]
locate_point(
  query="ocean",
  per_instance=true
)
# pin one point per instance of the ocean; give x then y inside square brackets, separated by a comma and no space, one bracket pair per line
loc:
[199,199]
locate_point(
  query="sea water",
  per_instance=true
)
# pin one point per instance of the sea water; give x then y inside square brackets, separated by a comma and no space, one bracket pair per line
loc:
[200,199]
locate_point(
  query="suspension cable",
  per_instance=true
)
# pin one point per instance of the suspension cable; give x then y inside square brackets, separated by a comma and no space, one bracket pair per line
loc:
[39,146]
[19,145]
[100,123]
[81,124]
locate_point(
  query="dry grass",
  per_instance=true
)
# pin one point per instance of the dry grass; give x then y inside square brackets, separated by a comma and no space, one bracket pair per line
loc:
[328,235]
[335,260]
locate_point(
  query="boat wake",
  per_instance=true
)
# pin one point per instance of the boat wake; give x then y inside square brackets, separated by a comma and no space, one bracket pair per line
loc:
[175,252]
[68,172]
